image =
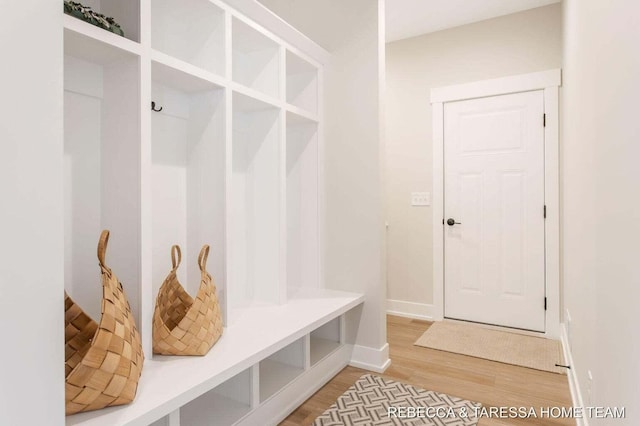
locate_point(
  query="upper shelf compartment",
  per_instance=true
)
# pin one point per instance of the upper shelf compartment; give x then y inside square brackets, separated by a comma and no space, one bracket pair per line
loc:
[93,44]
[256,61]
[190,30]
[302,83]
[125,12]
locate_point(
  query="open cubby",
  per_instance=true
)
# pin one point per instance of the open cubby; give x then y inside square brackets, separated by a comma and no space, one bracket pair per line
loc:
[187,175]
[224,405]
[279,369]
[101,169]
[302,83]
[255,210]
[190,30]
[125,12]
[302,204]
[256,60]
[324,340]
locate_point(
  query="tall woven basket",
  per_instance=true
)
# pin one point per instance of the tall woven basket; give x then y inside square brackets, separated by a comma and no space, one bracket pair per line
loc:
[182,325]
[103,361]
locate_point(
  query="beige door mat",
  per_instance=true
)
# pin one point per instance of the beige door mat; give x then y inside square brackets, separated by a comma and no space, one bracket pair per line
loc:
[509,348]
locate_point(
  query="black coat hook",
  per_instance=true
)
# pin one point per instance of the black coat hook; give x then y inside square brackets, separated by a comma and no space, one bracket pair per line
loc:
[153,107]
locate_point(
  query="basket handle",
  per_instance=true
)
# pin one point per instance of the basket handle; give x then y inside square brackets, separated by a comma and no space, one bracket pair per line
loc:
[176,256]
[102,249]
[202,258]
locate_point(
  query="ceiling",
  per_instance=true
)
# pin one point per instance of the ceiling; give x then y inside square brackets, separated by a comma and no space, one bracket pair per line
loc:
[328,22]
[409,18]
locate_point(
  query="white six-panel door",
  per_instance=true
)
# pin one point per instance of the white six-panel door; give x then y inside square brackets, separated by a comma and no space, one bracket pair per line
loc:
[494,193]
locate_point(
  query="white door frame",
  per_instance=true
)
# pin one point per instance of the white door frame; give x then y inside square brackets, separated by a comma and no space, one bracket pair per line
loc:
[549,81]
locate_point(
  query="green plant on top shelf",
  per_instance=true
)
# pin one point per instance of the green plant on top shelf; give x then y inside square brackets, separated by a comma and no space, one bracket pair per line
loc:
[88,15]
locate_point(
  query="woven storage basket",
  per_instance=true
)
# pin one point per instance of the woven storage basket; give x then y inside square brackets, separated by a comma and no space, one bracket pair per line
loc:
[182,325]
[103,361]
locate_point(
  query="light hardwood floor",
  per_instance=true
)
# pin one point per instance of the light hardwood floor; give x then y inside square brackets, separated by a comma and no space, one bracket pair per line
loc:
[491,383]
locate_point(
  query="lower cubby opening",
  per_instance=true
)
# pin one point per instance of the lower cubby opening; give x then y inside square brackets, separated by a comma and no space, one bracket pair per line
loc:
[224,405]
[324,341]
[281,368]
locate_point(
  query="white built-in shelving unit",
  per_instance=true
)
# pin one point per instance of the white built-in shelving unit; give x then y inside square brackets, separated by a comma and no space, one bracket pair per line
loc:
[232,158]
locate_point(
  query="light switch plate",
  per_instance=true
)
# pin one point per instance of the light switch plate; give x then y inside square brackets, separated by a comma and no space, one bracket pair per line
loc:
[420,199]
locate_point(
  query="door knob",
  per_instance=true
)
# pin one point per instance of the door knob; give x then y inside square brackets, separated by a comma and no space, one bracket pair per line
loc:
[452,222]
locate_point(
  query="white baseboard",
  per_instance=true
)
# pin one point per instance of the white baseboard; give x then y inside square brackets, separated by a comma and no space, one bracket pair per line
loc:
[372,359]
[574,386]
[421,311]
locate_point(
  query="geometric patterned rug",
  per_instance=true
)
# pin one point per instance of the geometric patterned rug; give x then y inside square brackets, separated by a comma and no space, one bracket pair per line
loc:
[373,400]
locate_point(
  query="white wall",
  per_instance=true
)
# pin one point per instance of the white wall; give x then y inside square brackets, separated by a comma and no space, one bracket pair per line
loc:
[601,206]
[514,44]
[354,175]
[31,222]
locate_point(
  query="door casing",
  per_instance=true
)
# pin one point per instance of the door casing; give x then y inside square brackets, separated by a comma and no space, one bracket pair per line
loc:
[548,81]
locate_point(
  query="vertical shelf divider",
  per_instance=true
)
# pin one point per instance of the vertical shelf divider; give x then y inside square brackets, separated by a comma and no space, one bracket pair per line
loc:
[228,164]
[282,73]
[228,185]
[307,352]
[283,206]
[228,45]
[146,274]
[282,77]
[321,227]
[174,418]
[255,386]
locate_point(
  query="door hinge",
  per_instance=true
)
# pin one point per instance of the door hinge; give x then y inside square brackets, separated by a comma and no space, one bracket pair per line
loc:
[545,303]
[545,211]
[544,120]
